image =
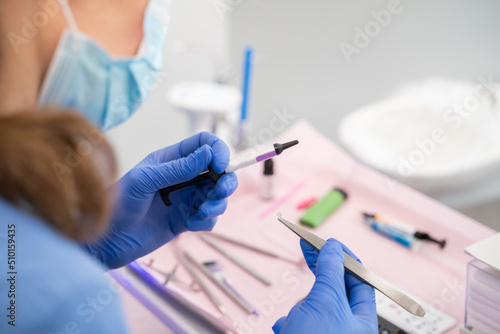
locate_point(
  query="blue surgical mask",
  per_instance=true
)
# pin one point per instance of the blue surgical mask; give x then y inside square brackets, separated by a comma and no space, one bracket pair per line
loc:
[85,77]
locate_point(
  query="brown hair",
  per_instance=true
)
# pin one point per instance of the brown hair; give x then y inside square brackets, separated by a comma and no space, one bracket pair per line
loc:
[59,165]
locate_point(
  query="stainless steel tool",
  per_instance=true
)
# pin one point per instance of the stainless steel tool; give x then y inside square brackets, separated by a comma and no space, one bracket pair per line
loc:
[247,245]
[358,270]
[224,287]
[236,261]
[203,286]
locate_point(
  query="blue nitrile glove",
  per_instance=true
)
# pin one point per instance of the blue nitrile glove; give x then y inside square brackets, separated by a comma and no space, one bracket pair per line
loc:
[338,301]
[142,222]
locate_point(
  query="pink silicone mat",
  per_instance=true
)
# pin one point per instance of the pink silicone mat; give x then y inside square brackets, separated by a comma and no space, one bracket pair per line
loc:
[311,169]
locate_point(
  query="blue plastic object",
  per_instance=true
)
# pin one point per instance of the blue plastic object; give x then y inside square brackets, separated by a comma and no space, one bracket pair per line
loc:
[141,222]
[49,284]
[338,302]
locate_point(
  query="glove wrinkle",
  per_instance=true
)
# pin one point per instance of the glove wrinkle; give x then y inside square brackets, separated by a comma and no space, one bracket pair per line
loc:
[337,303]
[141,222]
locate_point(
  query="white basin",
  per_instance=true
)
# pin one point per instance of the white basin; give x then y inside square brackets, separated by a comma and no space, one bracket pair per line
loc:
[437,135]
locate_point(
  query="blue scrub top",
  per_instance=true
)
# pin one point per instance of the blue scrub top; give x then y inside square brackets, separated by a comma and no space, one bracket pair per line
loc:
[49,285]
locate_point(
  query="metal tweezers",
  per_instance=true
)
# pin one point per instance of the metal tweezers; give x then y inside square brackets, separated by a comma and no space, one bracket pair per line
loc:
[358,270]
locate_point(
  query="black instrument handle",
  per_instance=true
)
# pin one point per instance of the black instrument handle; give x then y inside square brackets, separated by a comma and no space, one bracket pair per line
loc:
[206,175]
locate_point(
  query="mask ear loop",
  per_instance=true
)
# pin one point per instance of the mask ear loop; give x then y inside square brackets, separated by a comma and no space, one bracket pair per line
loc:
[68,14]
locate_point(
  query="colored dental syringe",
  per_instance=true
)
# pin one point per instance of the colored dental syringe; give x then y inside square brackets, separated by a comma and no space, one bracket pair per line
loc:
[243,159]
[399,231]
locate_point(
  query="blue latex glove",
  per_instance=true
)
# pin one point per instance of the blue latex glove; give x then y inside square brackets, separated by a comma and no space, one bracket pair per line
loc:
[142,222]
[338,302]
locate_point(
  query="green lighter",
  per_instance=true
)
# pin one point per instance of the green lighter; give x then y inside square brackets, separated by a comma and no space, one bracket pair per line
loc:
[320,210]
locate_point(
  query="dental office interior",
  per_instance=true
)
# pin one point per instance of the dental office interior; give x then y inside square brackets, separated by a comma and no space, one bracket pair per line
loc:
[396,102]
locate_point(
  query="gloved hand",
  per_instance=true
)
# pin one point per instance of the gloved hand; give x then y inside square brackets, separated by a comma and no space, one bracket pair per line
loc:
[338,302]
[141,222]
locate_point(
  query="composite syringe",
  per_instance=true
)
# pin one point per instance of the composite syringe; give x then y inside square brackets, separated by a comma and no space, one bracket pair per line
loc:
[243,159]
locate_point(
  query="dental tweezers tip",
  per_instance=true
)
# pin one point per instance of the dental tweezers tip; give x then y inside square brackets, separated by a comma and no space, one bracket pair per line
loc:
[420,311]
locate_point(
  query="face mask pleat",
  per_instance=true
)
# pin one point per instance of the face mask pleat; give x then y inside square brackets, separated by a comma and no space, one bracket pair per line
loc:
[85,77]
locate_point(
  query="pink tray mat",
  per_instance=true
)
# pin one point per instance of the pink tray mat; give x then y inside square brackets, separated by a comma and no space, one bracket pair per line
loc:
[311,169]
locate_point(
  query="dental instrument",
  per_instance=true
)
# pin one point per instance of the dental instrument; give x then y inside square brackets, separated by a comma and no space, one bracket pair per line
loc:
[243,159]
[235,260]
[249,246]
[398,230]
[359,271]
[231,293]
[199,281]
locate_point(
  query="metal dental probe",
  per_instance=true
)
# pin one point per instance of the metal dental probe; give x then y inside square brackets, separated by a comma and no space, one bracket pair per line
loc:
[235,260]
[200,282]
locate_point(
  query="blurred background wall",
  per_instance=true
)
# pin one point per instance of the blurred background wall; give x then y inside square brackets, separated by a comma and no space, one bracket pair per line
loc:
[300,66]
[196,37]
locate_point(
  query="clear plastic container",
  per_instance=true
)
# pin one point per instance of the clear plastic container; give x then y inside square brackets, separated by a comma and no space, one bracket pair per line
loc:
[482,309]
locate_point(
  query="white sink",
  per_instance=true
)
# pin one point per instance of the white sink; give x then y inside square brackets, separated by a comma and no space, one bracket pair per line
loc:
[422,137]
